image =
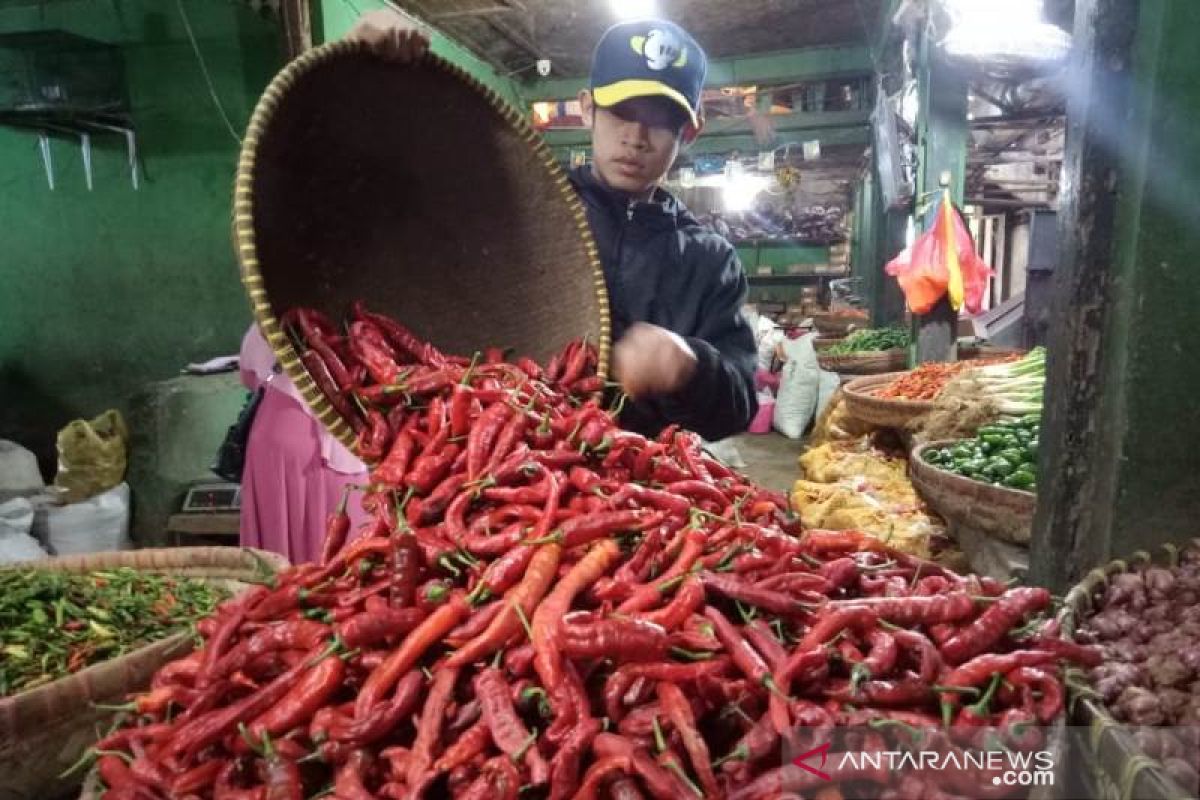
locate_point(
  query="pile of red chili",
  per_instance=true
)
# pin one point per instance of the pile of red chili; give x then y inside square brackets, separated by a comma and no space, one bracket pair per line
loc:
[546,605]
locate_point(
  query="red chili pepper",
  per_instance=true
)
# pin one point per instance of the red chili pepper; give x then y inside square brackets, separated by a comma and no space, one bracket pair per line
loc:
[300,634]
[1034,680]
[1081,654]
[476,624]
[659,781]
[319,370]
[928,658]
[744,656]
[372,441]
[372,627]
[699,490]
[981,668]
[618,638]
[761,636]
[508,731]
[302,700]
[379,363]
[735,588]
[525,596]
[679,711]
[215,647]
[409,651]
[601,771]
[470,744]
[115,774]
[550,612]
[401,337]
[505,571]
[198,733]
[433,465]
[687,601]
[535,494]
[429,727]
[584,530]
[994,623]
[393,468]
[483,437]
[383,719]
[337,527]
[282,779]
[508,438]
[348,782]
[643,496]
[913,611]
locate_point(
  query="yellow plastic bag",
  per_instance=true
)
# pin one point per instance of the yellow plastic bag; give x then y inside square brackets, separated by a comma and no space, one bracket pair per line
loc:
[91,456]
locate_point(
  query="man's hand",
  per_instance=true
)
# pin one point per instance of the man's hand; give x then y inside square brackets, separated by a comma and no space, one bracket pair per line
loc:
[390,36]
[650,360]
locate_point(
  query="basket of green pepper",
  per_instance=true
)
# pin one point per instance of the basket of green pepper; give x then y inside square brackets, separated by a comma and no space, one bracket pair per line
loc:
[78,634]
[867,352]
[988,483]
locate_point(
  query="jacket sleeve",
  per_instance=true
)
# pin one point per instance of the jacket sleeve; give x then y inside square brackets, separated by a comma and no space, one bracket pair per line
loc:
[719,400]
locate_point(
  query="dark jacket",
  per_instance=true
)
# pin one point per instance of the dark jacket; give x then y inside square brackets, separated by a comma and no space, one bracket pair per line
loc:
[661,267]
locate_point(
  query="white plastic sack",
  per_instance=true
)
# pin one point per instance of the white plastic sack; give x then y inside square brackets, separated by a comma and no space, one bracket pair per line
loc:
[799,385]
[767,335]
[95,525]
[16,520]
[19,474]
[726,452]
[830,382]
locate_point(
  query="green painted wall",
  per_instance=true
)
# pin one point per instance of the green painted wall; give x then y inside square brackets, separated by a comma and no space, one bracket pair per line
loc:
[106,291]
[1153,383]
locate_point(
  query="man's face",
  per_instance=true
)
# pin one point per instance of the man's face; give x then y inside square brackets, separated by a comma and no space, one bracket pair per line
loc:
[635,142]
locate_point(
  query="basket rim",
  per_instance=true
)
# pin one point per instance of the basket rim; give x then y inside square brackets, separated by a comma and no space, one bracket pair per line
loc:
[861,388]
[246,250]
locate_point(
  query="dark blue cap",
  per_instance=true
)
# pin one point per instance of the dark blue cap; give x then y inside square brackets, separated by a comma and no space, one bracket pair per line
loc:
[649,58]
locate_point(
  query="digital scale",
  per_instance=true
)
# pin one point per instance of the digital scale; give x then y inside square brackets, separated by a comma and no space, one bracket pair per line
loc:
[212,497]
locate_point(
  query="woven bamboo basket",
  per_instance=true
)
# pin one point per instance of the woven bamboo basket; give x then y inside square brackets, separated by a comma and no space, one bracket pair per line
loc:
[833,324]
[868,363]
[1113,764]
[344,191]
[863,403]
[45,730]
[825,342]
[998,511]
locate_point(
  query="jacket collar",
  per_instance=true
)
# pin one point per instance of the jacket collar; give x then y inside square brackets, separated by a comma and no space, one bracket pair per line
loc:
[662,210]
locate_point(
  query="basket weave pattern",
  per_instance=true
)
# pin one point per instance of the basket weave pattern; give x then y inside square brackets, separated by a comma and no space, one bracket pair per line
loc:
[422,192]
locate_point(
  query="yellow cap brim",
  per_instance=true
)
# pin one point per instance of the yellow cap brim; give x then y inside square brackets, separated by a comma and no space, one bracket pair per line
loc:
[619,92]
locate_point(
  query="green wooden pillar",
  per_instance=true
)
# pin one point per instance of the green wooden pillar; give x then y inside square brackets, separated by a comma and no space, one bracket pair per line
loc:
[942,146]
[1120,459]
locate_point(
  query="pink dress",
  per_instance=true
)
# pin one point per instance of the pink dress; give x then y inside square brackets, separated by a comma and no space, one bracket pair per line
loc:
[295,471]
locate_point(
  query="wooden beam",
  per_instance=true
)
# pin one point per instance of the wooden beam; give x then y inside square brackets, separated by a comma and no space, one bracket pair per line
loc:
[788,66]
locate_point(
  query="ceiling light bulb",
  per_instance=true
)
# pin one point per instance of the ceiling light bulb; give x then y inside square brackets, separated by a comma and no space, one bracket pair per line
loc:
[633,9]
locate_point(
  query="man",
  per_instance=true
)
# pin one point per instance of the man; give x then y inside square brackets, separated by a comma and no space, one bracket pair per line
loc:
[683,352]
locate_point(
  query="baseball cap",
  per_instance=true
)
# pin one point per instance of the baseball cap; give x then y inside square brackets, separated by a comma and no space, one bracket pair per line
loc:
[649,58]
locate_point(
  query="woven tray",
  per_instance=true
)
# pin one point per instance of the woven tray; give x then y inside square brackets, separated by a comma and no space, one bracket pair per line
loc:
[47,729]
[1113,763]
[862,402]
[998,511]
[416,189]
[868,363]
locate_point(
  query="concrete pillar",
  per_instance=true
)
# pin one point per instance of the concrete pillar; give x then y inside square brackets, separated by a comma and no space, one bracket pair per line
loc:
[1120,461]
